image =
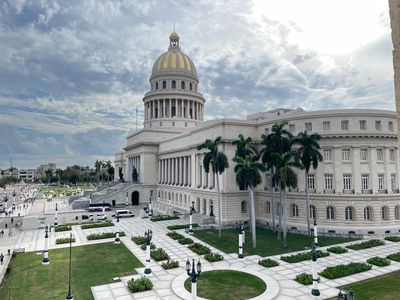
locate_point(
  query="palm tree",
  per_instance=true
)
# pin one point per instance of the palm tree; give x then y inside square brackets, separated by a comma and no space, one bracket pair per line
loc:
[219,163]
[248,176]
[278,142]
[309,155]
[243,146]
[284,177]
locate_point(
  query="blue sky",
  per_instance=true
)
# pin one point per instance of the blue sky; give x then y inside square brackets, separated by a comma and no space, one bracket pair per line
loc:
[73,72]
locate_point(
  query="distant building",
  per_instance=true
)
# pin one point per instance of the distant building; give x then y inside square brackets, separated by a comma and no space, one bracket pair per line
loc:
[27,175]
[41,170]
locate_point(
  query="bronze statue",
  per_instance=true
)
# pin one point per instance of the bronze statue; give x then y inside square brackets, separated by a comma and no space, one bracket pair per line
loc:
[135,175]
[121,175]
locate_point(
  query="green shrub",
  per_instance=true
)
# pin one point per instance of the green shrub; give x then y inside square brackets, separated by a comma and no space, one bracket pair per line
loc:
[97,225]
[103,235]
[64,241]
[139,240]
[62,228]
[139,285]
[366,245]
[175,236]
[345,270]
[268,263]
[163,218]
[159,254]
[199,249]
[211,257]
[337,250]
[394,256]
[393,238]
[304,278]
[184,226]
[170,264]
[185,241]
[143,246]
[303,256]
[378,261]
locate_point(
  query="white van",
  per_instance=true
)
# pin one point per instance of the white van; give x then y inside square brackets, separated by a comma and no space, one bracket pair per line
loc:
[124,213]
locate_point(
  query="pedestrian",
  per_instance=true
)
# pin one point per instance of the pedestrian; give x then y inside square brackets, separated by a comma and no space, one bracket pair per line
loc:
[1,258]
[12,220]
[2,232]
[19,214]
[6,225]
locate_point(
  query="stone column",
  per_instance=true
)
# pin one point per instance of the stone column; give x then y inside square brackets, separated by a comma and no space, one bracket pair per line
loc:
[373,175]
[159,171]
[387,173]
[356,175]
[158,109]
[170,108]
[337,175]
[185,168]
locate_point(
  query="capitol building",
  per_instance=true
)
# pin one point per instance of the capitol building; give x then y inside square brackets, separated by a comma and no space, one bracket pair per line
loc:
[355,189]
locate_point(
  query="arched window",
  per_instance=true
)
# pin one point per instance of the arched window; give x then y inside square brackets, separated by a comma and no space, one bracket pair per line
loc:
[295,210]
[368,213]
[397,212]
[349,213]
[182,85]
[173,84]
[330,213]
[156,85]
[385,213]
[268,207]
[313,212]
[244,207]
[164,84]
[190,86]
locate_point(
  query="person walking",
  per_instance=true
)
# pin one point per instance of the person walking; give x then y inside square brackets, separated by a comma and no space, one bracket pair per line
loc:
[1,258]
[2,232]
[12,220]
[6,225]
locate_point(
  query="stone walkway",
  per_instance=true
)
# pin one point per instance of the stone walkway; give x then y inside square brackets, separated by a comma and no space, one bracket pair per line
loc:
[166,282]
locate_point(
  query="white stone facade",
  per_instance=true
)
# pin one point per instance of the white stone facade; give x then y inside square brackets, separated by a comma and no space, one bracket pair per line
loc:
[355,189]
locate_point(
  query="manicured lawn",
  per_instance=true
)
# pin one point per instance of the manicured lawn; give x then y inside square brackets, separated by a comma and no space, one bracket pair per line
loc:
[267,244]
[91,265]
[227,285]
[385,287]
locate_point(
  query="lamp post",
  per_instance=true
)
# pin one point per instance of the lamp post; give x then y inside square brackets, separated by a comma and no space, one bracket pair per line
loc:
[349,296]
[191,220]
[194,275]
[69,295]
[46,260]
[117,240]
[240,229]
[315,233]
[150,209]
[315,290]
[56,216]
[148,236]
[104,212]
[126,199]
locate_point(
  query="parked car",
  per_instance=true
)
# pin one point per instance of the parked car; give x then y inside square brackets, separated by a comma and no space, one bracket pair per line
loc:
[101,217]
[123,213]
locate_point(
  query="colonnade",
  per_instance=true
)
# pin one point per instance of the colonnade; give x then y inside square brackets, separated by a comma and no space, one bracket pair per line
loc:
[175,171]
[133,161]
[204,180]
[170,108]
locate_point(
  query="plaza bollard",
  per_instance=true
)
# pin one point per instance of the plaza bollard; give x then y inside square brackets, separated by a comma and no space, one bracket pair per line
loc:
[126,199]
[148,236]
[46,260]
[117,240]
[240,230]
[315,233]
[56,216]
[191,221]
[194,275]
[315,290]
[349,296]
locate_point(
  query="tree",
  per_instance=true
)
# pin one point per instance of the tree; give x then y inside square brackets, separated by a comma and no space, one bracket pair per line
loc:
[279,141]
[243,146]
[219,163]
[247,171]
[284,177]
[309,155]
[110,170]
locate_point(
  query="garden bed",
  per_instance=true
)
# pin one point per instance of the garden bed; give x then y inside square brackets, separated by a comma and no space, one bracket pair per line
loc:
[345,270]
[379,261]
[163,218]
[395,239]
[60,228]
[65,241]
[170,264]
[337,250]
[97,225]
[199,249]
[366,245]
[268,263]
[140,285]
[159,254]
[184,226]
[175,236]
[104,235]
[213,257]
[295,258]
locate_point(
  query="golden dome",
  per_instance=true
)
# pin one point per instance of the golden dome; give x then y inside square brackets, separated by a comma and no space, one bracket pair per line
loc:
[173,34]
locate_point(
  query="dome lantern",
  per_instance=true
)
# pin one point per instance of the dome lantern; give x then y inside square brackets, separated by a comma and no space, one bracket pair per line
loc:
[173,40]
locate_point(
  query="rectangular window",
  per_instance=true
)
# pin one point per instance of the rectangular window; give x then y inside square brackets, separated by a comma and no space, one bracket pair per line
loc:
[381,181]
[391,155]
[364,154]
[347,181]
[326,126]
[390,125]
[328,179]
[346,154]
[365,182]
[308,126]
[311,181]
[393,184]
[345,125]
[378,125]
[379,154]
[363,125]
[327,154]
[291,128]
[266,131]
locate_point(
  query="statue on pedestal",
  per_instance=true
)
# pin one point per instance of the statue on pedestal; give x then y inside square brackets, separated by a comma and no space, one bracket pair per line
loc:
[121,175]
[135,175]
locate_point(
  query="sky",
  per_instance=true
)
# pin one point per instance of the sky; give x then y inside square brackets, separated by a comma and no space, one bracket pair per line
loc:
[72,73]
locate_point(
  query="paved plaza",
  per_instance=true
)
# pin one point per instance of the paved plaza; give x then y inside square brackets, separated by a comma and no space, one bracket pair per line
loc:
[168,284]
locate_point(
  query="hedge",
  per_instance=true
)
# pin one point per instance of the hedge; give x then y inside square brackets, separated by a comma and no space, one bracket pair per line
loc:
[212,257]
[184,226]
[143,246]
[175,236]
[104,235]
[268,263]
[64,240]
[394,256]
[345,270]
[366,245]
[159,254]
[378,261]
[337,250]
[395,239]
[62,228]
[199,249]
[139,240]
[139,285]
[304,278]
[163,218]
[185,241]
[97,225]
[170,264]
[303,256]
